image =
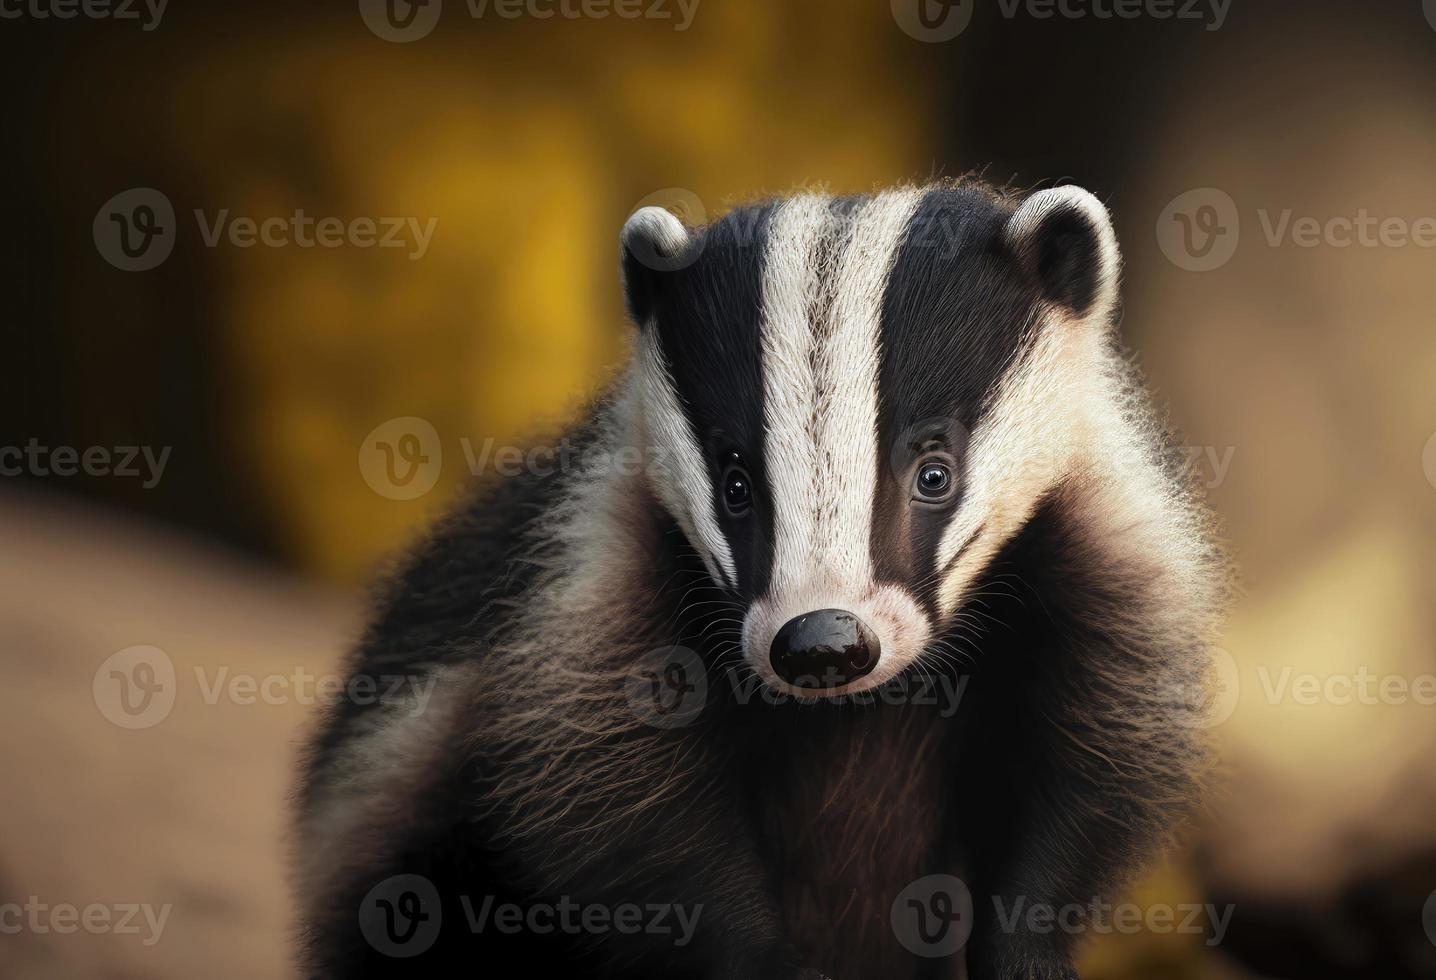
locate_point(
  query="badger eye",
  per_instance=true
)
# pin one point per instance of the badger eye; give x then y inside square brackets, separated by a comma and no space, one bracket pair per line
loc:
[934,480]
[737,490]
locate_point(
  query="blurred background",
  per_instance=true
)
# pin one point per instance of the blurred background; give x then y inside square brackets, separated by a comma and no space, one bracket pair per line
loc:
[197,403]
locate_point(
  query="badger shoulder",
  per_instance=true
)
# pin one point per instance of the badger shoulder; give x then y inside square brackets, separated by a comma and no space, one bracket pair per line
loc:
[446,601]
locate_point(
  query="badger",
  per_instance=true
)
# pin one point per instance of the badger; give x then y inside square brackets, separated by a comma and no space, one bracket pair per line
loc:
[870,613]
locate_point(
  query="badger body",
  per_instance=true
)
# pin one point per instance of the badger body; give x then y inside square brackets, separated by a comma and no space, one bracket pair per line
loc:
[879,505]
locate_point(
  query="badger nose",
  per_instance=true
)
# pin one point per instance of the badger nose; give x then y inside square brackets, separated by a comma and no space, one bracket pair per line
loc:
[824,649]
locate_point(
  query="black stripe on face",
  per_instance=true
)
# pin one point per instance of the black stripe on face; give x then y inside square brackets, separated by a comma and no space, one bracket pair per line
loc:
[956,316]
[709,322]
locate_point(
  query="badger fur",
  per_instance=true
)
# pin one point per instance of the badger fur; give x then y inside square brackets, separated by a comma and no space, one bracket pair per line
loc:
[891,438]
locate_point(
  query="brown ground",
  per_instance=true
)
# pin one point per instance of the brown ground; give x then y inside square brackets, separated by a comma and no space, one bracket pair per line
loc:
[189,811]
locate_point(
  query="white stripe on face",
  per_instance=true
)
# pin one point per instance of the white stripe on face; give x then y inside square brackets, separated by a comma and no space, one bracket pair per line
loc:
[1038,426]
[681,478]
[820,387]
[791,285]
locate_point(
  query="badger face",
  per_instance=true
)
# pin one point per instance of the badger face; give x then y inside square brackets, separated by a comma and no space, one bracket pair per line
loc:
[858,401]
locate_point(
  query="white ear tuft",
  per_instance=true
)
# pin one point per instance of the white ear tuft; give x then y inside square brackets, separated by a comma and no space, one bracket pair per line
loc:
[1064,237]
[655,237]
[654,242]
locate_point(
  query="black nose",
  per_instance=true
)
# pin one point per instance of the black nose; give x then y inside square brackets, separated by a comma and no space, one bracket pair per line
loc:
[824,649]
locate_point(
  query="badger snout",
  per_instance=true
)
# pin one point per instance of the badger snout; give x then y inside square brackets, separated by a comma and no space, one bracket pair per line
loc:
[824,649]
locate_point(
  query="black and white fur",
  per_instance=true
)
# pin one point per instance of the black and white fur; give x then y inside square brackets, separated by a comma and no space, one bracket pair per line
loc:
[1072,580]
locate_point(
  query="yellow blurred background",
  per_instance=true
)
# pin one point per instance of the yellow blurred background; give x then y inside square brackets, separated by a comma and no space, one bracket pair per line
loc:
[1300,375]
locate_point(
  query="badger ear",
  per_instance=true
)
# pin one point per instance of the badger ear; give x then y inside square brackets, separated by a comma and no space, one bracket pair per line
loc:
[1063,238]
[654,242]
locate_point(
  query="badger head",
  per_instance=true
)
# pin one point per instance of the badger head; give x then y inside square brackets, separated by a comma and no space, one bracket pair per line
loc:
[858,401]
